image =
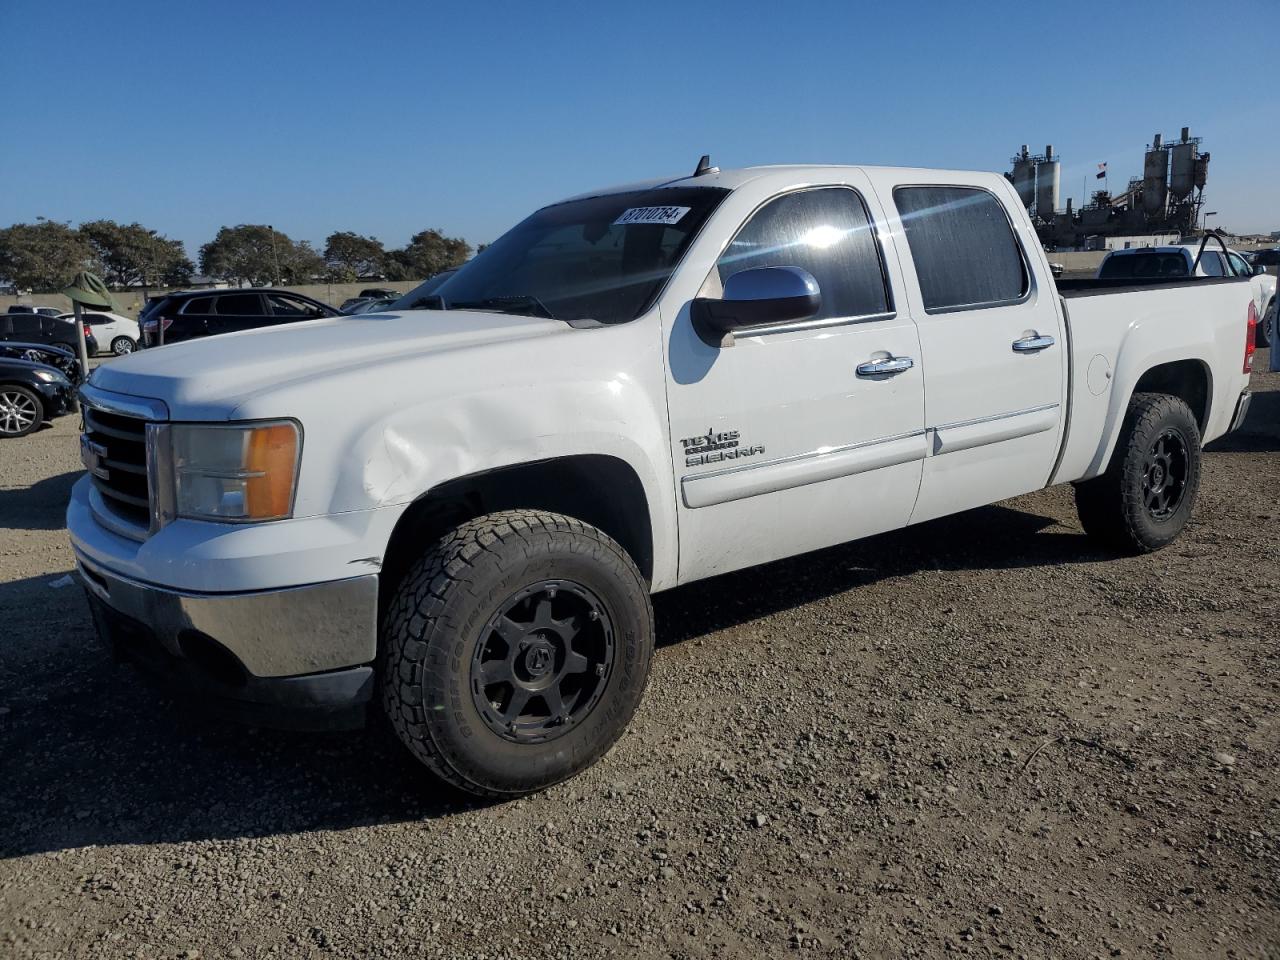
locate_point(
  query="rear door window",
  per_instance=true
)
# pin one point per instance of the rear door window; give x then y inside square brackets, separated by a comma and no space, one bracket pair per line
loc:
[825,231]
[199,306]
[240,305]
[27,325]
[965,252]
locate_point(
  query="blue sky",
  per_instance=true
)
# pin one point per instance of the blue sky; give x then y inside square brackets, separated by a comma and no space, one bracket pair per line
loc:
[386,118]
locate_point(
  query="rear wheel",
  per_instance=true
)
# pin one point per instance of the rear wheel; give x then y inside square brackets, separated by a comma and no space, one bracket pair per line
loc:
[1263,336]
[1146,496]
[21,411]
[121,346]
[516,651]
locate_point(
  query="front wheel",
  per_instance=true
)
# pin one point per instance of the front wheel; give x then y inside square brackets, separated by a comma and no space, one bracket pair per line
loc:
[21,411]
[122,346]
[516,651]
[1145,497]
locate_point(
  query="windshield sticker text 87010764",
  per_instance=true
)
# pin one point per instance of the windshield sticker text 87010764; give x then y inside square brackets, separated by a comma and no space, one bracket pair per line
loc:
[634,215]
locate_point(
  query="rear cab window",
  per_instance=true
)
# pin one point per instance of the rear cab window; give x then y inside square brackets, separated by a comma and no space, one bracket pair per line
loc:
[1145,265]
[965,252]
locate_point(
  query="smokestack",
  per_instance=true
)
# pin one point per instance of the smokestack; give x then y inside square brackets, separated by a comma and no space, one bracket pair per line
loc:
[1155,141]
[1186,134]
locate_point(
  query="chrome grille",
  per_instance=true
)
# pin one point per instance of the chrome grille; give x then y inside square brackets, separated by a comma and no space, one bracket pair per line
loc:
[114,451]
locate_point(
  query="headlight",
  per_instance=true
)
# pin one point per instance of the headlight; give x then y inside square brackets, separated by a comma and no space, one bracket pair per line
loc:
[50,376]
[235,472]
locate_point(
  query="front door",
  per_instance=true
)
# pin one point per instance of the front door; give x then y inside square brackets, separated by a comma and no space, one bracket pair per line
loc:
[806,434]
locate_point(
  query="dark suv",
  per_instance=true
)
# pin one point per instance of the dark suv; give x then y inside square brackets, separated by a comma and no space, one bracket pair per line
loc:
[205,313]
[38,328]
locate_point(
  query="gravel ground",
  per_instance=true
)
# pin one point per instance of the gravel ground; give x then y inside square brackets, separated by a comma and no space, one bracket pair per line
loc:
[978,735]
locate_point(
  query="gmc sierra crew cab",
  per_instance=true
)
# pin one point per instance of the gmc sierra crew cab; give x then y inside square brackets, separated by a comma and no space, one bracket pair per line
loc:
[457,513]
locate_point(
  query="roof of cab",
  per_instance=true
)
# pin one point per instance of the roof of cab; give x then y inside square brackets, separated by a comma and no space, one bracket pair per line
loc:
[733,178]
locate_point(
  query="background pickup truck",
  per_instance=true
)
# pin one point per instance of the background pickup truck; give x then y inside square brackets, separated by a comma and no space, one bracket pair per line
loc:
[461,511]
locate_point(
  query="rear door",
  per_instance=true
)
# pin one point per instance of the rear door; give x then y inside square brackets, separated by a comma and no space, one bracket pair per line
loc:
[238,311]
[990,341]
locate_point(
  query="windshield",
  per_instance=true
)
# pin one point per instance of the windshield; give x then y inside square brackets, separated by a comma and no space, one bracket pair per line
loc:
[1144,266]
[602,258]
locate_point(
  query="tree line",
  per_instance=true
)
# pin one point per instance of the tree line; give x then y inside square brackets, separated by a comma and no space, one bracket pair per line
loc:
[46,255]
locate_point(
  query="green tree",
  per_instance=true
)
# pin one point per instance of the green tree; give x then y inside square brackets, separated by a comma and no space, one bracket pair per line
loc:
[44,256]
[131,255]
[426,254]
[350,256]
[259,255]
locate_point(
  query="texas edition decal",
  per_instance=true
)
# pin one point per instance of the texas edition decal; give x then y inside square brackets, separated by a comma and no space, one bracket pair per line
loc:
[714,447]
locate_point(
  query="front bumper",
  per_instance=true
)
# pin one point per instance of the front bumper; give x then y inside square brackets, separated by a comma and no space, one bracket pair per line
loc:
[59,399]
[275,657]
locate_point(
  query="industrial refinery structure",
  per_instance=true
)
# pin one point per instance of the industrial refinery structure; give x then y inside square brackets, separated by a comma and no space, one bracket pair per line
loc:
[1165,201]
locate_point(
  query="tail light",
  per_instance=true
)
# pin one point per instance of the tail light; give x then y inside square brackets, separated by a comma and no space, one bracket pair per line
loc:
[1250,337]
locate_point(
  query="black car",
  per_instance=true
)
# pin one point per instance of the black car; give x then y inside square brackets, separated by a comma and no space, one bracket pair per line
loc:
[30,394]
[192,314]
[49,354]
[38,328]
[1265,258]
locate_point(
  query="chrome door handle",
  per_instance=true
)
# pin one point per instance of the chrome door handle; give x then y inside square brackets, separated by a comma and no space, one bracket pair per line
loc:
[888,367]
[1032,344]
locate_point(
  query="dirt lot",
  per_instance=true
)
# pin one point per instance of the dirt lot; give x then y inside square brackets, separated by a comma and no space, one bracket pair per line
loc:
[978,735]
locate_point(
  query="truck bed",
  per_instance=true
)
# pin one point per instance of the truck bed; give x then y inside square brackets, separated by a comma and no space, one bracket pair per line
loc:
[1092,287]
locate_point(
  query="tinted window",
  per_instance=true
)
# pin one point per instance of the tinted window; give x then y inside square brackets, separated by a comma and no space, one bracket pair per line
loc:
[285,306]
[199,305]
[1144,266]
[962,245]
[26,324]
[826,232]
[240,305]
[96,319]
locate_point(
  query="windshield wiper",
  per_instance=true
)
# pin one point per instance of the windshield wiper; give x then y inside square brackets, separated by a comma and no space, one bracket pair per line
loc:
[520,304]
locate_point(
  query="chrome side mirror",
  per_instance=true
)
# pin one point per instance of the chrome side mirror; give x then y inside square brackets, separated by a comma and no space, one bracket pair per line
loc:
[759,297]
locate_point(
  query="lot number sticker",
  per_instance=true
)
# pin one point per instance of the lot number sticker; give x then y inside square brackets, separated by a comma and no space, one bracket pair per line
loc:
[652,215]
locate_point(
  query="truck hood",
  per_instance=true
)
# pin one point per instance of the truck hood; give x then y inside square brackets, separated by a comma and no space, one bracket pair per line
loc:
[207,379]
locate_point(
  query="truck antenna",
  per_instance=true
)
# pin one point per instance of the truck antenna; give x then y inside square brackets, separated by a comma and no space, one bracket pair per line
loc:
[704,166]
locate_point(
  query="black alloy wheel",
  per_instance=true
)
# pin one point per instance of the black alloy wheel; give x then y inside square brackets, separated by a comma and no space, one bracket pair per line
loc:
[542,662]
[1165,474]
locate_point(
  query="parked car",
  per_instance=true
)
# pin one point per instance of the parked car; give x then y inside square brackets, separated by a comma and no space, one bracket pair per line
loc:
[368,305]
[42,311]
[30,394]
[1265,258]
[194,314]
[114,331]
[423,296]
[1179,260]
[63,358]
[460,514]
[380,293]
[41,328]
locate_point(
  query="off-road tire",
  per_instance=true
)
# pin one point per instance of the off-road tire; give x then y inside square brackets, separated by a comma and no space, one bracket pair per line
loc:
[1113,508]
[440,613]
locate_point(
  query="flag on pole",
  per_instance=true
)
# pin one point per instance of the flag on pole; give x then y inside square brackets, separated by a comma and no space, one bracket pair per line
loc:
[1102,172]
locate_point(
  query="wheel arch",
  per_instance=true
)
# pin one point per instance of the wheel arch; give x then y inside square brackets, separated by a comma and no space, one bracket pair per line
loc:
[1189,380]
[598,489]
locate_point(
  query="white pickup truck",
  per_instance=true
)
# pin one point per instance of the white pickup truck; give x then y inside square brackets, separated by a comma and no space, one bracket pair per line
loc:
[459,508]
